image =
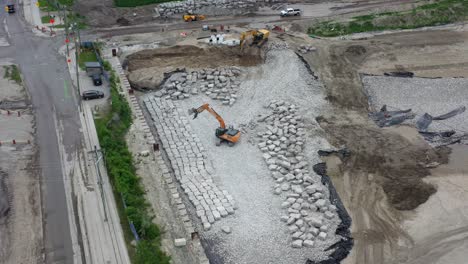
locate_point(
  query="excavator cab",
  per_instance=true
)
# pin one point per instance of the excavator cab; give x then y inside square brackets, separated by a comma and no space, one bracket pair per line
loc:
[230,135]
[259,37]
[223,133]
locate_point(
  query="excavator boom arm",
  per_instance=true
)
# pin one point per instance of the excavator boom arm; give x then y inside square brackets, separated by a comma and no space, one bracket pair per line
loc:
[212,112]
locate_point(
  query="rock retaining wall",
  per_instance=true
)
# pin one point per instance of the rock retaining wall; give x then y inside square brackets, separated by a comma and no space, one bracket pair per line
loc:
[310,215]
[189,161]
[219,84]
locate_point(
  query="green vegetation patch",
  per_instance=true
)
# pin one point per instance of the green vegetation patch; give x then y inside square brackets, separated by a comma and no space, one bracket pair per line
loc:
[47,6]
[12,73]
[45,19]
[133,3]
[438,13]
[65,2]
[87,55]
[52,5]
[75,18]
[111,130]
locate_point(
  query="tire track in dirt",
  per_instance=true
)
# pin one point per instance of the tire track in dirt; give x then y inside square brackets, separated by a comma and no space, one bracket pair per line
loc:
[385,169]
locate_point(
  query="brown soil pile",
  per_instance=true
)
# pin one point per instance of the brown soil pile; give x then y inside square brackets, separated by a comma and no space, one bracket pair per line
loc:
[103,13]
[398,163]
[147,68]
[194,57]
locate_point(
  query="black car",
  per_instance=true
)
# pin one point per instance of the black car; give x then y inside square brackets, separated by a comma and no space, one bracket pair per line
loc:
[10,9]
[97,81]
[92,94]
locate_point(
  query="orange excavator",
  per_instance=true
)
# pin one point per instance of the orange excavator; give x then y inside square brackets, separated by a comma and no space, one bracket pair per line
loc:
[229,134]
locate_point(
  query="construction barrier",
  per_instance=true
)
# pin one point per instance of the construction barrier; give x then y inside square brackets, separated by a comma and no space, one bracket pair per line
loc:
[15,142]
[11,112]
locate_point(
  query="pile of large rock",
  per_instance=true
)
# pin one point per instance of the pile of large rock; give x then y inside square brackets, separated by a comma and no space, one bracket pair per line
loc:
[219,84]
[278,46]
[171,8]
[189,161]
[309,211]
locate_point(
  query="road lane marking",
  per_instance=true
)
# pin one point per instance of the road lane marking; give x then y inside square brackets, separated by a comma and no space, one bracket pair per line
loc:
[6,27]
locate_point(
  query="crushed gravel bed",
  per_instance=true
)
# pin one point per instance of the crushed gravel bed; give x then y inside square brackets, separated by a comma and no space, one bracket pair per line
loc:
[257,234]
[422,95]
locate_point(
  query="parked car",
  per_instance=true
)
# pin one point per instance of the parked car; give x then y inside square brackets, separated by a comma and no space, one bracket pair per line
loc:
[97,81]
[290,12]
[92,94]
[10,9]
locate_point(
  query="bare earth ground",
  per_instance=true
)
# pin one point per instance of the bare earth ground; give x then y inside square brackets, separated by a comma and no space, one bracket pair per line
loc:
[148,67]
[20,212]
[445,214]
[386,169]
[104,14]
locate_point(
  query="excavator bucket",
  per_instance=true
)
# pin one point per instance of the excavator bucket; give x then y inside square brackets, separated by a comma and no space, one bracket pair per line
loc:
[193,112]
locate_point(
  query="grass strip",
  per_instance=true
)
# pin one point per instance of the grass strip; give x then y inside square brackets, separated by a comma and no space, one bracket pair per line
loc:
[111,130]
[12,72]
[87,55]
[438,13]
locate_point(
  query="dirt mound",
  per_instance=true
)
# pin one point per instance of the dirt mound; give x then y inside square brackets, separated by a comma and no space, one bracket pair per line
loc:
[357,50]
[146,68]
[398,163]
[103,13]
[193,57]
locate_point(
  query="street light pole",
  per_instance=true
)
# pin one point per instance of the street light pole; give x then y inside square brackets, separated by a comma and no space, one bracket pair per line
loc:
[77,66]
[67,40]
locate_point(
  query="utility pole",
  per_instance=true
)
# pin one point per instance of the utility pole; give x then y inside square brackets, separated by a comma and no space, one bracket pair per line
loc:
[67,37]
[77,65]
[99,157]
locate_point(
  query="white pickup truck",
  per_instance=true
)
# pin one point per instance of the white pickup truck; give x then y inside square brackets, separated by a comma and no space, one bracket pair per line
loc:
[290,12]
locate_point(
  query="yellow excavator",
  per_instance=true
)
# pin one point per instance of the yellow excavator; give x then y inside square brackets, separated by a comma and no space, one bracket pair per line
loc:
[189,17]
[229,134]
[259,37]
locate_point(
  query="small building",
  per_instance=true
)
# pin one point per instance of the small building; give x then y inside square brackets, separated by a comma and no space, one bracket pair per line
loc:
[93,68]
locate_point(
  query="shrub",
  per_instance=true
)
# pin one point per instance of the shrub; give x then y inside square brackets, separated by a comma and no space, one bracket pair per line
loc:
[111,132]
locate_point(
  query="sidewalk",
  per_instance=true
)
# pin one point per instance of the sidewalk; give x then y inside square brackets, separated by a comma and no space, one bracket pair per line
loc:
[32,13]
[103,240]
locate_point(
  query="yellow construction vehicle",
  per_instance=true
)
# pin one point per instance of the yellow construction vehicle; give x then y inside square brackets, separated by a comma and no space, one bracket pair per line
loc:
[229,135]
[193,17]
[259,37]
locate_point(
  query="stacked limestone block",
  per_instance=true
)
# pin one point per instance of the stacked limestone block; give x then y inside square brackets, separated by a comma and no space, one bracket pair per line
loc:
[189,161]
[309,212]
[219,84]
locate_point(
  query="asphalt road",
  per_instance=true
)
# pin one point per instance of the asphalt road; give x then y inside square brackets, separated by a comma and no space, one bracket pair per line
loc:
[48,82]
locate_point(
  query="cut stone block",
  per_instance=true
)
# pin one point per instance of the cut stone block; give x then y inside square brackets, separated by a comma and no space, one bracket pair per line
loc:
[308,243]
[297,243]
[180,242]
[226,229]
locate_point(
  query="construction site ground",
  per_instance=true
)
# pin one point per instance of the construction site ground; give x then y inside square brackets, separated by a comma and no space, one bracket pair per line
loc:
[98,14]
[20,189]
[403,209]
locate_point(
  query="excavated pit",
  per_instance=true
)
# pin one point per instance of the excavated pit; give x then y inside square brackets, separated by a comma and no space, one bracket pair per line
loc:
[147,68]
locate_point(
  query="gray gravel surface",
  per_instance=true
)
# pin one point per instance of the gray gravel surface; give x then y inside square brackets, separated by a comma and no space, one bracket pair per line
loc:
[257,233]
[422,95]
